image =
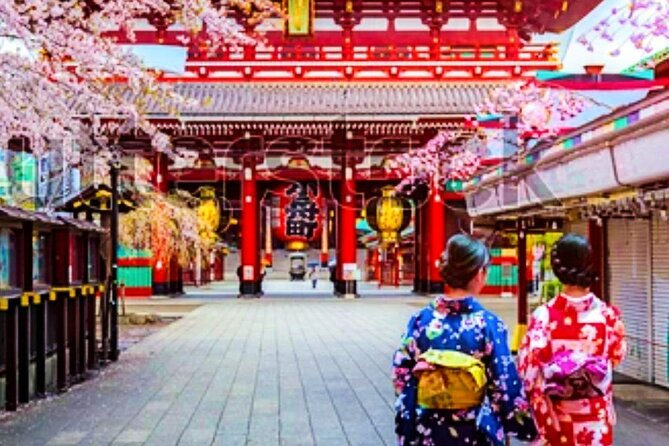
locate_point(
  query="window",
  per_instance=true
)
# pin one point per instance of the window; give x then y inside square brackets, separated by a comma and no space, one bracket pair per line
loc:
[40,258]
[76,258]
[93,259]
[9,272]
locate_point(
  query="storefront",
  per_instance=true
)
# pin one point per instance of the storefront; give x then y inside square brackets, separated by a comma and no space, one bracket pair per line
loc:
[621,205]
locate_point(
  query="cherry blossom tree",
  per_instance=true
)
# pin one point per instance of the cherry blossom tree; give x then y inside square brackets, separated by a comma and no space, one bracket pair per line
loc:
[450,155]
[641,22]
[62,71]
[540,111]
[169,226]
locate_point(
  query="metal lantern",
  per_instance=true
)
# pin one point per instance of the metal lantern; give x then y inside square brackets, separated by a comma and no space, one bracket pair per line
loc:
[388,215]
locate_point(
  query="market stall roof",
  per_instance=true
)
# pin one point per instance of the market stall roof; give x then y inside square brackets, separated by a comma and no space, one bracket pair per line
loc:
[82,225]
[16,213]
[95,198]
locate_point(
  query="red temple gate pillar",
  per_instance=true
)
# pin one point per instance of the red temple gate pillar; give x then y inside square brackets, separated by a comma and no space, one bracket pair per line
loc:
[418,247]
[347,268]
[249,270]
[161,268]
[325,254]
[269,256]
[434,240]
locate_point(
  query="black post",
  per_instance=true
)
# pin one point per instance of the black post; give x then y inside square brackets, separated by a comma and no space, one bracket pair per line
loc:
[73,333]
[24,312]
[40,348]
[11,347]
[113,307]
[83,303]
[92,328]
[61,341]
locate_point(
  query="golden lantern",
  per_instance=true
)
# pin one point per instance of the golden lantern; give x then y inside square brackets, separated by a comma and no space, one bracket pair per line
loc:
[388,215]
[208,213]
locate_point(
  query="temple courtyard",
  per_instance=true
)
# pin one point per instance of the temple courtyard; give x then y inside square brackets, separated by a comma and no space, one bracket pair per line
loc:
[273,371]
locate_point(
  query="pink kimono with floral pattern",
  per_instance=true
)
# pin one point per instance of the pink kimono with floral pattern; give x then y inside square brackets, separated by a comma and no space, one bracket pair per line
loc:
[572,330]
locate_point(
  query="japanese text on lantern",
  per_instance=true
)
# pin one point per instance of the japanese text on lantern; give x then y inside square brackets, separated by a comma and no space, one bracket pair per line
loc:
[301,213]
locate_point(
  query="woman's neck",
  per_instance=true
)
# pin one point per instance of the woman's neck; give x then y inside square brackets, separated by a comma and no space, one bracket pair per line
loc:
[457,294]
[575,291]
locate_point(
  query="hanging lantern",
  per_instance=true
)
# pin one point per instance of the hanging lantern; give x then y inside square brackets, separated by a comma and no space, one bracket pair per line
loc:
[388,215]
[296,216]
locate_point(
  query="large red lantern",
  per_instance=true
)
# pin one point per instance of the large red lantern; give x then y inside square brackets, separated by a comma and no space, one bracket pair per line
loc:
[296,215]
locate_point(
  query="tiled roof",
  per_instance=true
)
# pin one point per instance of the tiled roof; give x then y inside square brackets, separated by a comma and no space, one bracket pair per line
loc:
[257,100]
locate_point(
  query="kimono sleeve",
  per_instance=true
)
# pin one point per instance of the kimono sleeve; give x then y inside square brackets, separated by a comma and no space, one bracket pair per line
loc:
[405,383]
[533,351]
[405,356]
[617,341]
[505,389]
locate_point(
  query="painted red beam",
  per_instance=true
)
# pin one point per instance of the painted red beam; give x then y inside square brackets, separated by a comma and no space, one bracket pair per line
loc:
[221,174]
[381,39]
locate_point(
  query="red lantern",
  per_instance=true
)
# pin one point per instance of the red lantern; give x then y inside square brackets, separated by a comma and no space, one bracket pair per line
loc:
[296,215]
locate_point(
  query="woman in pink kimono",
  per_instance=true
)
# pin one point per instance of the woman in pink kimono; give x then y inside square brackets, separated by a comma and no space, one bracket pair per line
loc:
[567,358]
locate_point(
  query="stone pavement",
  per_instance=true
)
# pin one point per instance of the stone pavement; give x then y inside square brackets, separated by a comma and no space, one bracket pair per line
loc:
[289,372]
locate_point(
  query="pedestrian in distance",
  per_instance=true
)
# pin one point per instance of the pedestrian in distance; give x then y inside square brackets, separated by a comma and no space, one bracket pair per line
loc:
[313,276]
[568,355]
[455,379]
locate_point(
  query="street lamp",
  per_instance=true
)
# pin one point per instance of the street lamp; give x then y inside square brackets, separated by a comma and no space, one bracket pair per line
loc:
[114,169]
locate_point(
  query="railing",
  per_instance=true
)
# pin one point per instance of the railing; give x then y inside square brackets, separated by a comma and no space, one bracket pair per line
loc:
[54,324]
[42,326]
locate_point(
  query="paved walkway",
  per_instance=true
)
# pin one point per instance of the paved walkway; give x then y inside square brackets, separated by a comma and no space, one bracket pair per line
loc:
[249,372]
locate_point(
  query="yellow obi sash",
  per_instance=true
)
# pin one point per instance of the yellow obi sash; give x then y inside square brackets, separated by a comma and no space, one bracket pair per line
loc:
[449,379]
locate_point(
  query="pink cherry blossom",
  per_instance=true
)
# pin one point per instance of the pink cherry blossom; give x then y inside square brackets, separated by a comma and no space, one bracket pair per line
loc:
[63,73]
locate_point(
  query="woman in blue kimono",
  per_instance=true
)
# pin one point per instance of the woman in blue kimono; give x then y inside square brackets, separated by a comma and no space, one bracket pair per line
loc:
[455,378]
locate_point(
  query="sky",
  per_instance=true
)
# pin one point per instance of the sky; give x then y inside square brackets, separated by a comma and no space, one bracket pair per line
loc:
[575,55]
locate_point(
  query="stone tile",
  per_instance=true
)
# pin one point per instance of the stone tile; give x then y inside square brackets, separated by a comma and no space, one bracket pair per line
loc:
[132,436]
[67,438]
[271,372]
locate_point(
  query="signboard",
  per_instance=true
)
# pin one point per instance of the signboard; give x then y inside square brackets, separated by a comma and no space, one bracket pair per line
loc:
[247,272]
[350,271]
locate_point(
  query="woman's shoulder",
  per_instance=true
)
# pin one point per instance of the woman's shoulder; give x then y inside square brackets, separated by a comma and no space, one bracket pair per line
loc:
[492,320]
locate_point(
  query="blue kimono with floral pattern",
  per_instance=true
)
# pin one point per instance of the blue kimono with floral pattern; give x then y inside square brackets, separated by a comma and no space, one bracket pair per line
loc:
[462,325]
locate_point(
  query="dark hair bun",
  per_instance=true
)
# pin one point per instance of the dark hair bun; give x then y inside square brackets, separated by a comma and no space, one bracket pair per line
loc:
[571,260]
[462,260]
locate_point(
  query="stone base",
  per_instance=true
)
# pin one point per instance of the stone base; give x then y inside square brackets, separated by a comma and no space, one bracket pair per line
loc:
[161,289]
[347,289]
[422,286]
[250,288]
